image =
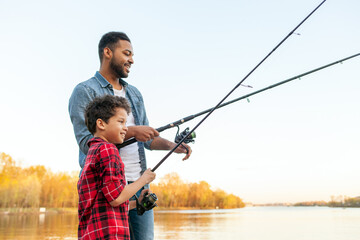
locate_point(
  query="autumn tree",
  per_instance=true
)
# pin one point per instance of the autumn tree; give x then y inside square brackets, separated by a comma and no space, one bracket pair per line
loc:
[35,186]
[172,192]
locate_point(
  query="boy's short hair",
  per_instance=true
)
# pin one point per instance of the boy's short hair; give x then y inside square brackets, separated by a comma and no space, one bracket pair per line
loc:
[104,108]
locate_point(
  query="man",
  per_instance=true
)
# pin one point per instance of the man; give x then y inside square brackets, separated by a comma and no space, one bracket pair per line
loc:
[116,58]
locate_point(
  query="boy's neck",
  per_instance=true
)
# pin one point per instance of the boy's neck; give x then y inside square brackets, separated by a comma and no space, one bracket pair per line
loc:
[100,136]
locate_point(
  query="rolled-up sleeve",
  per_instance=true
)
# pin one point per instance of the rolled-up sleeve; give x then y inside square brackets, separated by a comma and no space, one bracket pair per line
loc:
[79,99]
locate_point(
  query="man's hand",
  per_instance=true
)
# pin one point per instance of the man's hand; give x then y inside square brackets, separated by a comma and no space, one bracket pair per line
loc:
[160,143]
[182,149]
[141,133]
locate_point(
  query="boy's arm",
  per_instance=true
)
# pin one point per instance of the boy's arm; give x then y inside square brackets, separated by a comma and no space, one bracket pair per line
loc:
[114,185]
[130,189]
[111,172]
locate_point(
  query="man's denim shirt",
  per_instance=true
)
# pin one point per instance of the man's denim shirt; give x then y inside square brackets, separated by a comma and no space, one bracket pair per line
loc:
[98,86]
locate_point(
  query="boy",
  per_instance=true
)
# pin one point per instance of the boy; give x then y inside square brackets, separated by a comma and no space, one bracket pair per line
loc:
[103,192]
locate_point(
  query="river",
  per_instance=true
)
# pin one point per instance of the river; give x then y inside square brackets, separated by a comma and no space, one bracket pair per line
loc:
[250,223]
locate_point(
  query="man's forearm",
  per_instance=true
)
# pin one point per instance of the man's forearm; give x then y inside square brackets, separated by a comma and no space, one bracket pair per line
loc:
[160,143]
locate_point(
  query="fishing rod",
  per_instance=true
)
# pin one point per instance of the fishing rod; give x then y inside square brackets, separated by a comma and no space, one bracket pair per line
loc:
[150,200]
[133,140]
[190,117]
[237,85]
[183,120]
[218,105]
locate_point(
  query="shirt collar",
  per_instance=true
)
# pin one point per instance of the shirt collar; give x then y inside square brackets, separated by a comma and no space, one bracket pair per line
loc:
[95,140]
[104,83]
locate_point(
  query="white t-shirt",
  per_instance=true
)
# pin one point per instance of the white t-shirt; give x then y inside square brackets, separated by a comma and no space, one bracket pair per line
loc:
[130,154]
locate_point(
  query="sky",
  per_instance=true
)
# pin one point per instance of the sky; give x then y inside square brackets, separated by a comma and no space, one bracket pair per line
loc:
[296,142]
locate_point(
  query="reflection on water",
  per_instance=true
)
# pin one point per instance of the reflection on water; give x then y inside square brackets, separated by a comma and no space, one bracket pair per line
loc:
[193,224]
[38,226]
[253,223]
[260,223]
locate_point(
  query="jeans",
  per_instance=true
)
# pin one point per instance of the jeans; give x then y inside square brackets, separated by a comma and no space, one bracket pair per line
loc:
[141,227]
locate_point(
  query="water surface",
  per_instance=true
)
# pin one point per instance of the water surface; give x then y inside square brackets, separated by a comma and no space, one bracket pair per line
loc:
[251,223]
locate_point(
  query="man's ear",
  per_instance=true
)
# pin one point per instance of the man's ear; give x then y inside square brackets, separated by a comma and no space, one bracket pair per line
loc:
[100,124]
[107,53]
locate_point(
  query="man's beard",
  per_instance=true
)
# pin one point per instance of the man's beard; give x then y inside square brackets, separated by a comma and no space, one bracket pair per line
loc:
[118,69]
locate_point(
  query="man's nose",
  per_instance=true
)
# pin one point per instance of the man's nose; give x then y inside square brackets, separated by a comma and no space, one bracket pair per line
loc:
[131,60]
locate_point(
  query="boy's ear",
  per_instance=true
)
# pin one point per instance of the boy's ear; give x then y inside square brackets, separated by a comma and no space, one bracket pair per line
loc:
[100,124]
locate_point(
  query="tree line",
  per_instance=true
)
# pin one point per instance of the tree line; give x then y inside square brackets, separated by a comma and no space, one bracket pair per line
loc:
[173,192]
[339,201]
[36,186]
[344,201]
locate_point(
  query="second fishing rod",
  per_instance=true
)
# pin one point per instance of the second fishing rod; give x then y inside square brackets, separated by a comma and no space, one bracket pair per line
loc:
[191,117]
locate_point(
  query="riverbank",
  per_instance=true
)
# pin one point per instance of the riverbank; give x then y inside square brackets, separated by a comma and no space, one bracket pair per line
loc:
[6,211]
[11,211]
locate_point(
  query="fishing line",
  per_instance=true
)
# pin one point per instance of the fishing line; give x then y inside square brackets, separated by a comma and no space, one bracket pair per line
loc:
[237,85]
[188,118]
[133,140]
[149,200]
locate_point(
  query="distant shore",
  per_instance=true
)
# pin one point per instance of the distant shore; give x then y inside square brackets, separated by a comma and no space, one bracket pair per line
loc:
[11,211]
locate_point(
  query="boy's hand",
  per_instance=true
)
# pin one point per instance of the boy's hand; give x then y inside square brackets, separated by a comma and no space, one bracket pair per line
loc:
[148,176]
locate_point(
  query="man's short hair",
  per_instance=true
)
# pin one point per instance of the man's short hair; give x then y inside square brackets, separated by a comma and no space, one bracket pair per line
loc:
[110,40]
[104,108]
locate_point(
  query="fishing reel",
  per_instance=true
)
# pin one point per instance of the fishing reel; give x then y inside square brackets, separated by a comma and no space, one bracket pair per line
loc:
[189,139]
[147,203]
[182,135]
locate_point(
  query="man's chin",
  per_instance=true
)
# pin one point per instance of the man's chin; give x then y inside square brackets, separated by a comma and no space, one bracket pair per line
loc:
[123,75]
